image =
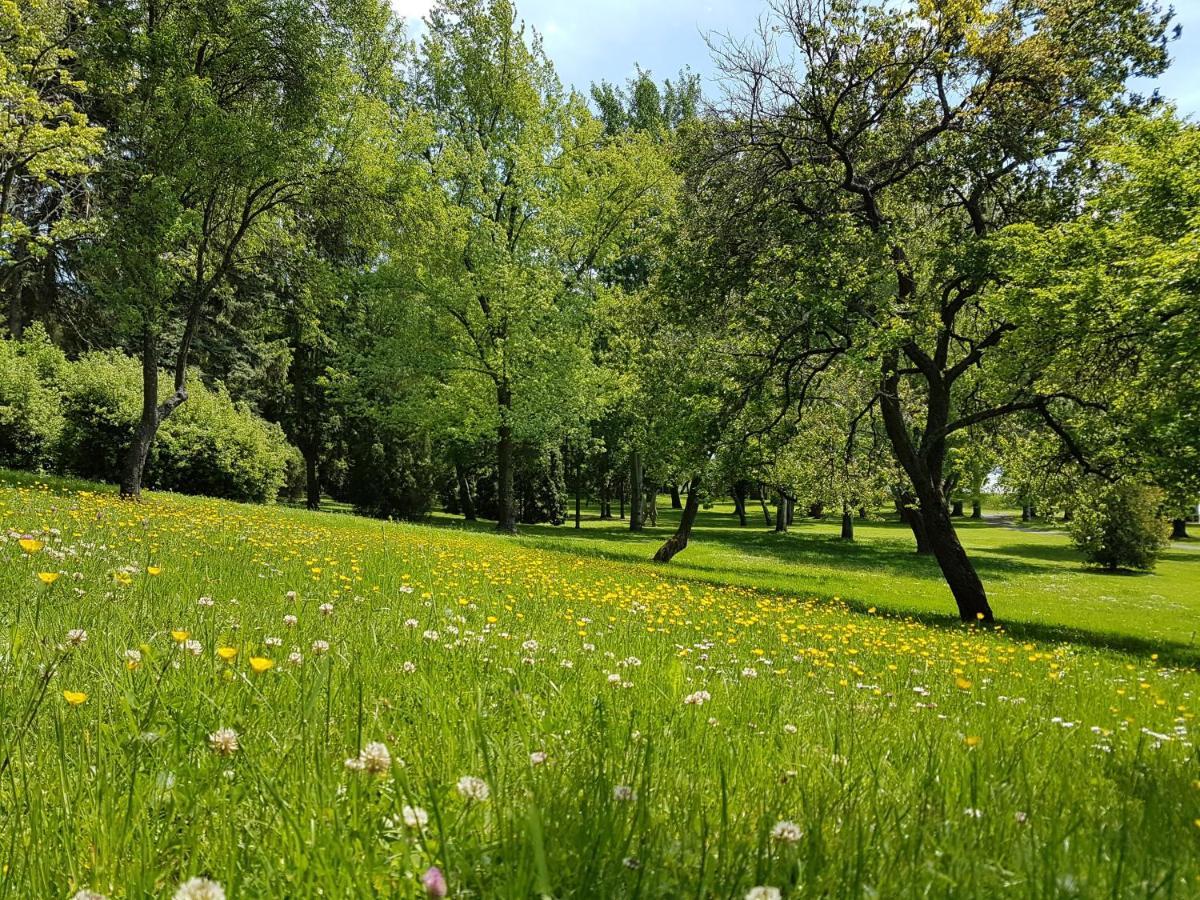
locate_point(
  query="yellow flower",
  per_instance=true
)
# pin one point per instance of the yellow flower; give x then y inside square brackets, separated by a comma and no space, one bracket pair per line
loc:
[48,577]
[74,697]
[962,683]
[227,653]
[153,570]
[29,545]
[260,664]
[180,635]
[972,740]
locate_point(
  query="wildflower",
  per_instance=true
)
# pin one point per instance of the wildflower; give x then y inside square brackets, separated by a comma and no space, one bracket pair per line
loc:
[227,653]
[76,637]
[205,601]
[763,893]
[153,570]
[133,659]
[376,758]
[295,658]
[631,862]
[200,889]
[74,697]
[624,793]
[787,832]
[326,609]
[614,678]
[434,882]
[409,667]
[972,741]
[1021,817]
[273,641]
[431,635]
[30,545]
[698,698]
[224,741]
[355,764]
[319,647]
[290,620]
[973,813]
[537,757]
[749,672]
[87,894]
[473,788]
[414,816]
[47,577]
[179,635]
[291,595]
[260,664]
[193,647]
[411,623]
[962,684]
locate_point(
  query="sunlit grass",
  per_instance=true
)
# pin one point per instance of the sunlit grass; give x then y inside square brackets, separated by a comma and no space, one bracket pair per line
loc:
[637,735]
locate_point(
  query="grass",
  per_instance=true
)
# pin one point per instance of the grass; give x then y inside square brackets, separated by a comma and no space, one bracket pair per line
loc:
[825,752]
[1037,583]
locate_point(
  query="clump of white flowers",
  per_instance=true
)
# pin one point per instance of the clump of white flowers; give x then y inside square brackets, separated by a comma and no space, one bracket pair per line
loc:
[473,788]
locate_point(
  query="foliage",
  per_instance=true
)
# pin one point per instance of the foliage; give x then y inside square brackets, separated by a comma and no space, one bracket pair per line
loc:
[213,447]
[1120,526]
[31,419]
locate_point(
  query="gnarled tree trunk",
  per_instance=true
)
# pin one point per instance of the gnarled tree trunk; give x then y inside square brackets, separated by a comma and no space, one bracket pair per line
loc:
[466,502]
[679,540]
[847,523]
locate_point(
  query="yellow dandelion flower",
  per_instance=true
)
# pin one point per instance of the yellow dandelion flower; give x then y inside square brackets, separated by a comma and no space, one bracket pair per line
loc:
[74,697]
[962,684]
[179,635]
[153,570]
[972,740]
[227,653]
[260,664]
[48,577]
[29,545]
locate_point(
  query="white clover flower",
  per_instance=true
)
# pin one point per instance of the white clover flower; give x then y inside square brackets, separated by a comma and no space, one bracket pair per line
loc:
[698,698]
[763,893]
[76,637]
[296,658]
[205,601]
[624,793]
[414,816]
[193,647]
[431,635]
[290,621]
[537,757]
[473,788]
[411,623]
[530,646]
[200,889]
[319,647]
[787,832]
[376,758]
[973,813]
[614,678]
[409,667]
[355,764]
[224,741]
[273,641]
[86,894]
[790,728]
[291,595]
[325,609]
[405,589]
[748,672]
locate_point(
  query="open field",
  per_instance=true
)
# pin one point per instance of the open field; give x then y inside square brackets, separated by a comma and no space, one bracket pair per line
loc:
[1037,581]
[638,735]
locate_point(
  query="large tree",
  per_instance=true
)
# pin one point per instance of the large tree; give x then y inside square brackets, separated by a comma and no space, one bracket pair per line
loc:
[922,131]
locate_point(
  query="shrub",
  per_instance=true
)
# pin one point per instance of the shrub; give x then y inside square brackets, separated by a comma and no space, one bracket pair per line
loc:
[1119,526]
[210,445]
[31,418]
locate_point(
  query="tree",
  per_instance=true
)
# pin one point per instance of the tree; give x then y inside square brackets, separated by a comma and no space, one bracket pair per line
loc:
[46,140]
[924,132]
[1120,526]
[219,118]
[537,200]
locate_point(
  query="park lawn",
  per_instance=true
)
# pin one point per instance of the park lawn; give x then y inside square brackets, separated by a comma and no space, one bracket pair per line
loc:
[1036,580]
[639,735]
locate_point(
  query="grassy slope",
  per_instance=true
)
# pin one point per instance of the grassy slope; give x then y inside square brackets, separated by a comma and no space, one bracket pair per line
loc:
[1036,580]
[914,761]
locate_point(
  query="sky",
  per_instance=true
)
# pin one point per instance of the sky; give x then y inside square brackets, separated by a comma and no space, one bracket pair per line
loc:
[593,40]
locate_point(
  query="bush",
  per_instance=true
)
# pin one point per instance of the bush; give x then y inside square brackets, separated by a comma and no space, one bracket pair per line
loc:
[1119,526]
[210,445]
[31,418]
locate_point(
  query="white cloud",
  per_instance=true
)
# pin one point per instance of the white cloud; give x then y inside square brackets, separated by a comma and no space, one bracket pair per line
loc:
[412,9]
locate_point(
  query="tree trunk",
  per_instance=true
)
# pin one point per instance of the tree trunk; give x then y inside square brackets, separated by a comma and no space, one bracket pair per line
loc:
[312,479]
[762,500]
[1068,514]
[781,511]
[636,494]
[676,502]
[466,503]
[153,414]
[862,512]
[1179,529]
[506,517]
[650,508]
[791,510]
[956,566]
[1026,514]
[739,501]
[621,499]
[816,510]
[577,502]
[679,540]
[847,523]
[957,510]
[976,509]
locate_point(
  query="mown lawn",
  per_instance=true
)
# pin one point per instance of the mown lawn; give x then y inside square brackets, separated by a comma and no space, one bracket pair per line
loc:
[300,705]
[1036,581]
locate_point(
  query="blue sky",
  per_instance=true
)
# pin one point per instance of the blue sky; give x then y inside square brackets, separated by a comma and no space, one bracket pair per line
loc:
[590,40]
